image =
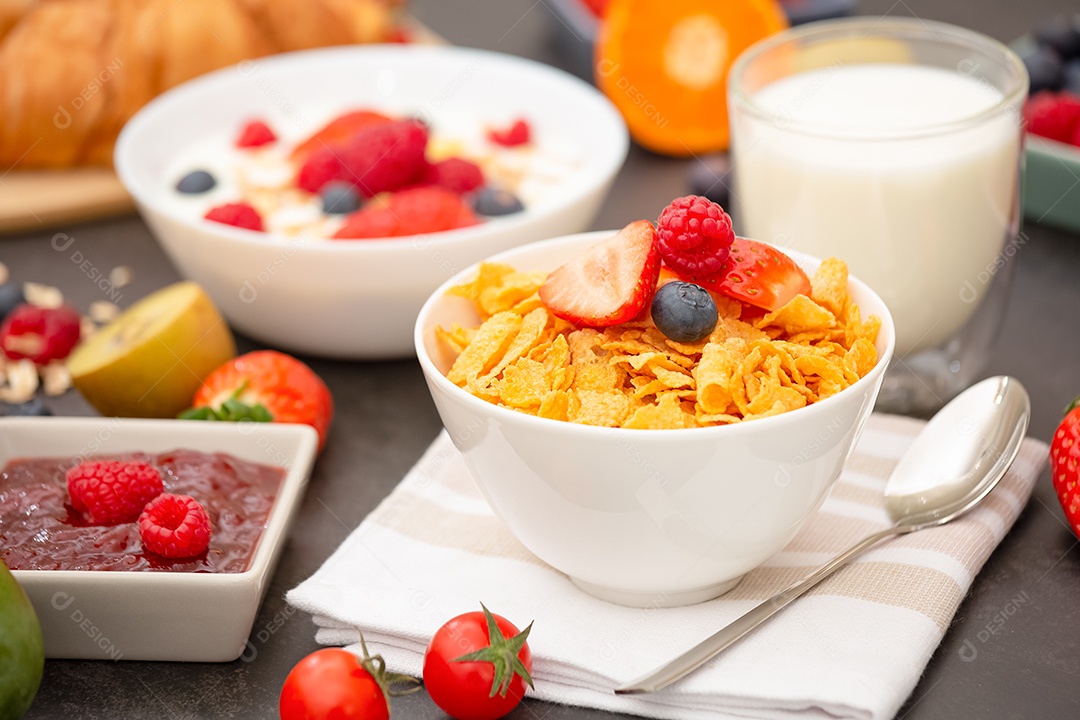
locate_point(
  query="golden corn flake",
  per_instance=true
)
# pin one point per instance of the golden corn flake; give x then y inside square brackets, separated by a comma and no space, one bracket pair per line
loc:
[524,385]
[555,406]
[456,338]
[799,315]
[499,288]
[489,344]
[604,408]
[829,285]
[632,376]
[668,412]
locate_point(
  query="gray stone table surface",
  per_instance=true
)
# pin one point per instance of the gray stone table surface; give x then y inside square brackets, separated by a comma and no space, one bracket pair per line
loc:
[1028,654]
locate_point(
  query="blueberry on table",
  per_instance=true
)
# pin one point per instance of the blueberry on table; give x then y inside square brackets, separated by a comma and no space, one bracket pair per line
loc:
[683,311]
[1060,32]
[196,182]
[11,296]
[710,176]
[1046,69]
[339,198]
[31,408]
[493,202]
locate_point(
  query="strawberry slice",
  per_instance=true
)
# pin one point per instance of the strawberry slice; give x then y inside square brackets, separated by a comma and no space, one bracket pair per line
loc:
[416,211]
[758,274]
[610,283]
[339,131]
[264,386]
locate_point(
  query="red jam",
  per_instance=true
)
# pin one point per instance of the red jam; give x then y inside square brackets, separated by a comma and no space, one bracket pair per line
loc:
[40,530]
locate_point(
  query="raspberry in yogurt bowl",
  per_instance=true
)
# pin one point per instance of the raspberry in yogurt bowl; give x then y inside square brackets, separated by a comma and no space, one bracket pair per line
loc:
[369,173]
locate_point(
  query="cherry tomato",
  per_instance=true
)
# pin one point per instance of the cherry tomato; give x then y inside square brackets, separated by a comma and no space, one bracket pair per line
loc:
[332,683]
[477,666]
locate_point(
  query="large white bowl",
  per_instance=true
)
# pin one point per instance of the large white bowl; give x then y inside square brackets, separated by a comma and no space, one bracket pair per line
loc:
[194,617]
[358,299]
[647,517]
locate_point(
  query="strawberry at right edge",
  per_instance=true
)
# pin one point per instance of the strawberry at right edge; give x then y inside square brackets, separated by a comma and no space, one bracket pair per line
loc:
[1065,465]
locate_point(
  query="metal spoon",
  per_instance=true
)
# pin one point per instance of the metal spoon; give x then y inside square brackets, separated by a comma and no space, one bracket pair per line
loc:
[953,464]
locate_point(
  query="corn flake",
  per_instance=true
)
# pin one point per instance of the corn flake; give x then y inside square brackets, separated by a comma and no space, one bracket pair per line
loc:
[632,376]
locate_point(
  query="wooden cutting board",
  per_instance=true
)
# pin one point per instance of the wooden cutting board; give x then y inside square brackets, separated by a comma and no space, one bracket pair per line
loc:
[34,200]
[39,199]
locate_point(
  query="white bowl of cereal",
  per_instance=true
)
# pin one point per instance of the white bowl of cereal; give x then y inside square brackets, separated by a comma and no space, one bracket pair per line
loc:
[292,284]
[650,517]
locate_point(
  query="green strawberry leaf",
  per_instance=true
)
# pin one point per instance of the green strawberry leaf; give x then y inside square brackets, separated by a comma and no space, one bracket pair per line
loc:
[232,410]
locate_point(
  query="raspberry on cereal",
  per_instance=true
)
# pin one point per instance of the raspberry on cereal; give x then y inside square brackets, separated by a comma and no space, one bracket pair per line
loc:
[175,526]
[39,334]
[386,157]
[112,491]
[255,134]
[695,236]
[238,214]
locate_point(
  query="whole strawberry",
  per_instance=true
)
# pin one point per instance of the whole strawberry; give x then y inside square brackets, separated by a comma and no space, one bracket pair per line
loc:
[1065,465]
[264,386]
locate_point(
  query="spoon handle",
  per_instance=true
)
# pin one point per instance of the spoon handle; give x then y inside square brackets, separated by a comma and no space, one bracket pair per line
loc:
[711,646]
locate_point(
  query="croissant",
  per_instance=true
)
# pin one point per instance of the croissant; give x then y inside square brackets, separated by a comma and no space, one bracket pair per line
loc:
[73,71]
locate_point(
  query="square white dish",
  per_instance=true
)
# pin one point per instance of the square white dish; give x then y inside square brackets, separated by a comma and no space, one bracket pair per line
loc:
[180,616]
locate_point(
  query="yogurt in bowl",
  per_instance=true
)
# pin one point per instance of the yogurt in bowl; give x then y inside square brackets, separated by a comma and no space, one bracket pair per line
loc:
[496,169]
[359,300]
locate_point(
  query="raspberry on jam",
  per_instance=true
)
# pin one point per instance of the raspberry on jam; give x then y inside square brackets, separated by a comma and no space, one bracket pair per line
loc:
[175,526]
[111,491]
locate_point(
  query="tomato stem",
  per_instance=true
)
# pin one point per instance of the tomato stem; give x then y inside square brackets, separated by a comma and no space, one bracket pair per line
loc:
[376,667]
[502,653]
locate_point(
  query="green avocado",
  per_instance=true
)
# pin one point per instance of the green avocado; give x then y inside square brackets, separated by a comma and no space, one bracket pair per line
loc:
[22,651]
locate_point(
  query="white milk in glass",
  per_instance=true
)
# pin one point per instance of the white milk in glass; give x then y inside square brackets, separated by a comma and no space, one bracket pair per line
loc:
[858,166]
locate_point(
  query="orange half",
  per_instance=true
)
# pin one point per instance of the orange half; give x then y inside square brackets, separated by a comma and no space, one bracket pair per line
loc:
[664,65]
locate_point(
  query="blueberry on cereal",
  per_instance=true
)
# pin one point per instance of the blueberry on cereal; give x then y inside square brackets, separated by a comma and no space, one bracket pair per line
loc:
[683,311]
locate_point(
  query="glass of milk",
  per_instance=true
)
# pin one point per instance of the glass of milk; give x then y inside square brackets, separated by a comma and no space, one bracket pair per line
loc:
[896,145]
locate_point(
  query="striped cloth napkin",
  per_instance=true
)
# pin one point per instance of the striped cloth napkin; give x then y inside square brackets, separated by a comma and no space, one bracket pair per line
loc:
[854,647]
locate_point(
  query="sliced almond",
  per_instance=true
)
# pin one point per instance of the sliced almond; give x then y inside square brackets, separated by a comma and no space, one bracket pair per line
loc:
[103,311]
[44,296]
[120,276]
[22,382]
[55,379]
